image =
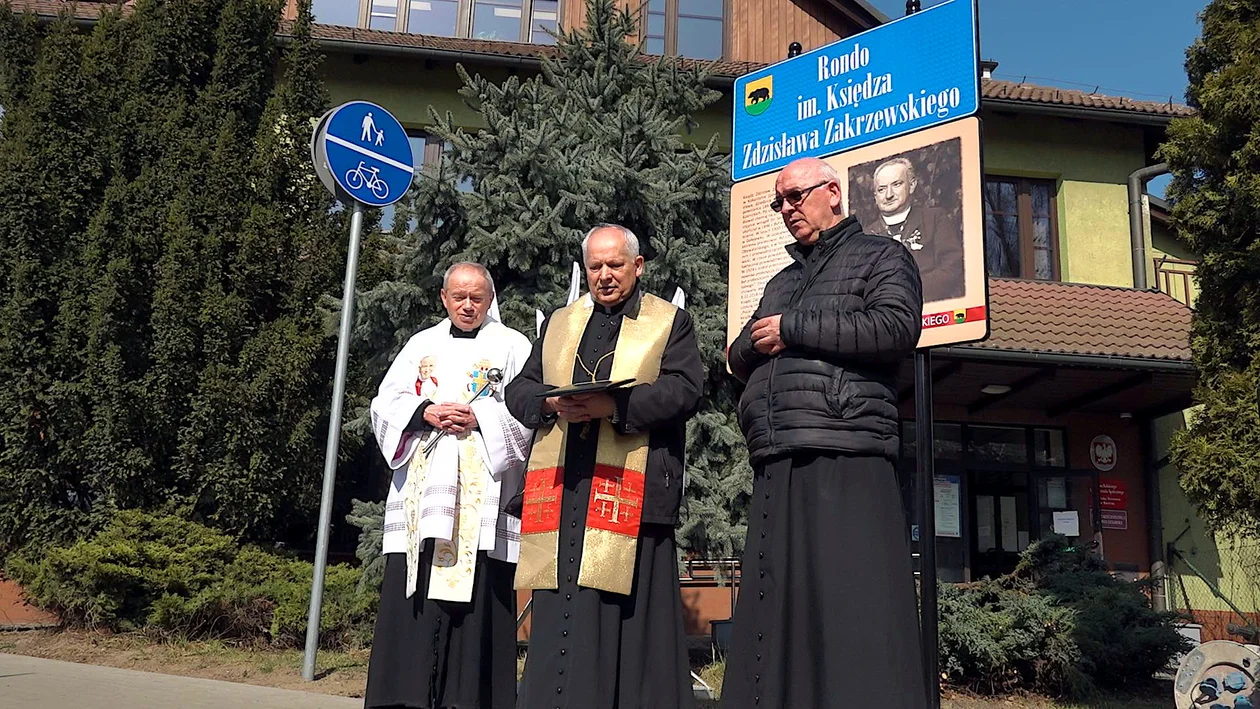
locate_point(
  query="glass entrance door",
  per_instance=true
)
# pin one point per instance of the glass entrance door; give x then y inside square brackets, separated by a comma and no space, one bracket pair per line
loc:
[1000,527]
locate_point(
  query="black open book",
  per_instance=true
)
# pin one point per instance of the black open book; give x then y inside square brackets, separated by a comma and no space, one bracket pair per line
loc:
[586,388]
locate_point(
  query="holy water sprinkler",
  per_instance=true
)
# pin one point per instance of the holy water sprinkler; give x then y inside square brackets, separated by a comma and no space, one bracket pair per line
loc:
[493,376]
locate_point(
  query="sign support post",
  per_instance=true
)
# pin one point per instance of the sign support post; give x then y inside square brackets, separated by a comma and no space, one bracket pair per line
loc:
[363,157]
[925,459]
[925,467]
[334,442]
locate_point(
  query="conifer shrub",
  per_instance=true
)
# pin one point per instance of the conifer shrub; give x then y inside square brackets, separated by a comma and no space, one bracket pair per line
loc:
[995,640]
[1122,640]
[178,579]
[1060,625]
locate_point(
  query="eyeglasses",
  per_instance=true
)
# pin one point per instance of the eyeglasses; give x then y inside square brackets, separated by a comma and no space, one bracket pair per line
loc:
[795,197]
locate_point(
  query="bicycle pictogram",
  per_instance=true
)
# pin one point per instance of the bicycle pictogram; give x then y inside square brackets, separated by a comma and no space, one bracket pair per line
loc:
[364,176]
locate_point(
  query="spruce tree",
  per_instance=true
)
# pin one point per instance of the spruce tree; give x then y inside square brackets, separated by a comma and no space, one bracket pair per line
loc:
[601,134]
[1215,161]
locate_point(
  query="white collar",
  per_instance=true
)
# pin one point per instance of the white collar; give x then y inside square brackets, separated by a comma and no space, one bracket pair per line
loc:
[897,217]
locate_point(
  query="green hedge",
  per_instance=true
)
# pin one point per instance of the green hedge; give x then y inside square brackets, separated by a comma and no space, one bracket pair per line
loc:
[180,579]
[1059,625]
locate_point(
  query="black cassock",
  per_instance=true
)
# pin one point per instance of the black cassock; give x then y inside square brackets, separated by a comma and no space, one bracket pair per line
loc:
[826,565]
[591,649]
[429,654]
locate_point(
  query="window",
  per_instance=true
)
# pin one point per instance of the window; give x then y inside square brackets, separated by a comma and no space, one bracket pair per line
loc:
[654,32]
[336,12]
[700,28]
[546,17]
[497,20]
[998,444]
[948,444]
[433,17]
[383,15]
[1048,448]
[689,28]
[501,20]
[1021,228]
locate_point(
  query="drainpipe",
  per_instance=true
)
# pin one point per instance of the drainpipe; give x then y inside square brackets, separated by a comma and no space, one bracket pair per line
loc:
[1137,235]
[1154,514]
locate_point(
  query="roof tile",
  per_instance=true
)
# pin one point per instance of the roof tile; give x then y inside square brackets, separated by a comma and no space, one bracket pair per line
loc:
[1070,318]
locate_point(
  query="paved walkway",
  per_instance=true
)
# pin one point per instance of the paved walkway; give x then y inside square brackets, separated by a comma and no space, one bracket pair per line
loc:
[33,683]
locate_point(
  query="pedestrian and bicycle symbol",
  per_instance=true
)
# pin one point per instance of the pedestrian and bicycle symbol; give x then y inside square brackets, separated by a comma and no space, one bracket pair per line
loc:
[364,176]
[365,151]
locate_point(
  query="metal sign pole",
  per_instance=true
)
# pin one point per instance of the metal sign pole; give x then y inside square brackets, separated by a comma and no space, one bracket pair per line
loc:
[925,463]
[334,440]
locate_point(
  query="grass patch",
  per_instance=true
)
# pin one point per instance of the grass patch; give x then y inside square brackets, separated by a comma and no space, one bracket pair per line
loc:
[712,674]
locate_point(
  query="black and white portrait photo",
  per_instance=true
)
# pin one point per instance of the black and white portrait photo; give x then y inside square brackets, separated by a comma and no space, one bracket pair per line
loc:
[915,197]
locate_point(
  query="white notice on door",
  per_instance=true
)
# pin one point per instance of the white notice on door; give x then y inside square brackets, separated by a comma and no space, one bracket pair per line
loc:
[1067,523]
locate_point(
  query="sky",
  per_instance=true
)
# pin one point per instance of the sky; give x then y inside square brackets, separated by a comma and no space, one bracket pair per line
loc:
[1133,48]
[1126,48]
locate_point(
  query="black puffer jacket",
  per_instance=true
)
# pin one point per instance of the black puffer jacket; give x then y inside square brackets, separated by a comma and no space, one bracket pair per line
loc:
[852,309]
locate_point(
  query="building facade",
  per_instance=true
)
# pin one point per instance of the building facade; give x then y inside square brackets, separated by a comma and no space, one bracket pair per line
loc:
[1060,421]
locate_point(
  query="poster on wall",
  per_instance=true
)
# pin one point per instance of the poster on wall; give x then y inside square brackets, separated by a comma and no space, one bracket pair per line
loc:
[923,190]
[948,496]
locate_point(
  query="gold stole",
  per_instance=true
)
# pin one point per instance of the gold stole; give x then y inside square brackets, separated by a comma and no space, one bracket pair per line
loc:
[453,567]
[611,538]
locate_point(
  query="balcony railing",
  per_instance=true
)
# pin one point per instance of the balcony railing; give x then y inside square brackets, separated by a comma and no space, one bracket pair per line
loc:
[1176,278]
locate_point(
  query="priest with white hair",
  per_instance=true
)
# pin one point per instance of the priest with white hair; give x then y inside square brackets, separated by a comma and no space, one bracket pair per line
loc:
[602,490]
[446,630]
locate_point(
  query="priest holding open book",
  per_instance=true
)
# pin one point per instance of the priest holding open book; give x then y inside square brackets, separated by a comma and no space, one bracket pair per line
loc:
[608,389]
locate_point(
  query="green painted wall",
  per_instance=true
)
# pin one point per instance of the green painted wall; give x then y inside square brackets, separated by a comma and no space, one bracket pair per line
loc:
[1229,562]
[408,87]
[1091,161]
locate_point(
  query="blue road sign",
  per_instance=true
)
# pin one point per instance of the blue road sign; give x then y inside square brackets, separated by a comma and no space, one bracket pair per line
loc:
[913,73]
[368,153]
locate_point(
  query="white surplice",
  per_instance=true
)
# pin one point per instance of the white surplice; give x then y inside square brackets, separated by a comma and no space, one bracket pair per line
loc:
[438,367]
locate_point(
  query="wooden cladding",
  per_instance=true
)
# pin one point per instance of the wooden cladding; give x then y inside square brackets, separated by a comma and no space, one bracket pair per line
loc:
[761,30]
[573,12]
[754,30]
[757,30]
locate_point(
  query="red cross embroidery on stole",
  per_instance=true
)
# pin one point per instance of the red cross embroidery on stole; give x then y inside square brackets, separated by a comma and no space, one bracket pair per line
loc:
[540,511]
[616,501]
